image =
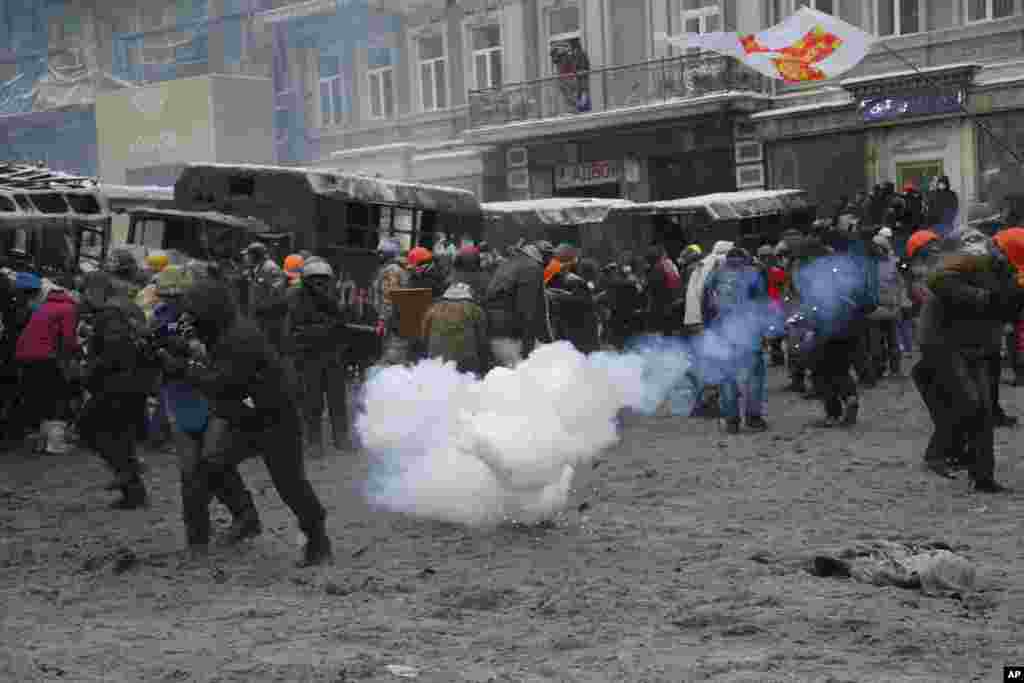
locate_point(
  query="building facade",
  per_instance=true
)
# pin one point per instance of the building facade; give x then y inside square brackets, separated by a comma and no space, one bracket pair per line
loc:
[513,99]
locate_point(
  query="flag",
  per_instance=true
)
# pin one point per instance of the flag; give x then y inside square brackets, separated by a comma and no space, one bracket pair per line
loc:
[808,46]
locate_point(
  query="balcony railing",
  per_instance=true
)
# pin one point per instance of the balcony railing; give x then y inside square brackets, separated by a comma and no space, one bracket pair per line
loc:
[611,88]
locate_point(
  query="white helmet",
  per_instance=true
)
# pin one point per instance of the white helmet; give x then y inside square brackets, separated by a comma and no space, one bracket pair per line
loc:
[317,267]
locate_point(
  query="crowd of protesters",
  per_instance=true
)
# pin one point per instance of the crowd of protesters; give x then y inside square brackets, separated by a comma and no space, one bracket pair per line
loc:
[177,355]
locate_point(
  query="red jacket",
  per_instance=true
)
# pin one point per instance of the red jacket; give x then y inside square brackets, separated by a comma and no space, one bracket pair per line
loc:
[56,319]
[776,283]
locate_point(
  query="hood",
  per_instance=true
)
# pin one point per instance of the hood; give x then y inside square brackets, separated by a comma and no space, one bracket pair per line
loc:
[59,296]
[970,241]
[459,291]
[212,303]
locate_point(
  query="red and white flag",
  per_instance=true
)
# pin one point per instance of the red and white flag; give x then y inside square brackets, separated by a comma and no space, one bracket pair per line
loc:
[808,46]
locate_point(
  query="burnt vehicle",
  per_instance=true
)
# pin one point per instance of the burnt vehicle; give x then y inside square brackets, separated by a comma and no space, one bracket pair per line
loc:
[605,228]
[52,223]
[338,216]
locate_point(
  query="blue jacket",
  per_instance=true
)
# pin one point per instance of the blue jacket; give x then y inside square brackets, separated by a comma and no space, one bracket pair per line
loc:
[837,292]
[735,305]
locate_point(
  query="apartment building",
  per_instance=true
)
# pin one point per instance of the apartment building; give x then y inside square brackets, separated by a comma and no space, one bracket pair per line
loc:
[537,98]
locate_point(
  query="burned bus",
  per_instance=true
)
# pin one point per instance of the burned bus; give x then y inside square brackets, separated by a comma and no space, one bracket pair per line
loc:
[339,216]
[53,223]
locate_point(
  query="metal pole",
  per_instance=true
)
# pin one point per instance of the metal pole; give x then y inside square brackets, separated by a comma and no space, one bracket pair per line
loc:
[973,117]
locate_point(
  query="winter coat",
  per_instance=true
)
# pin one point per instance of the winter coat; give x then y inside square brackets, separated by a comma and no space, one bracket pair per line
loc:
[116,370]
[267,284]
[52,330]
[476,279]
[315,325]
[943,208]
[729,304]
[625,302]
[664,289]
[244,378]
[892,293]
[455,328]
[390,277]
[837,293]
[966,308]
[695,286]
[515,301]
[574,313]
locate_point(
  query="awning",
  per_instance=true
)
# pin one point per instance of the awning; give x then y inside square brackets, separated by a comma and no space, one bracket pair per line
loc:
[735,205]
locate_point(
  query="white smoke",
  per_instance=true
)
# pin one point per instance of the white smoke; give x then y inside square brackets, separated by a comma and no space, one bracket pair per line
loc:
[448,446]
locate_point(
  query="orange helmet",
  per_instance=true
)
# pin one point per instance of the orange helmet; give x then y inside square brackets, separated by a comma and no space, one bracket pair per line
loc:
[1011,242]
[918,240]
[293,263]
[419,256]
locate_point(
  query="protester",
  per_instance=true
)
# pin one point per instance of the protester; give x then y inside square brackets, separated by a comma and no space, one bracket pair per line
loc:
[424,273]
[254,410]
[45,345]
[315,334]
[573,311]
[392,275]
[455,328]
[694,321]
[732,295]
[883,321]
[1011,242]
[969,296]
[664,291]
[117,382]
[266,285]
[943,207]
[466,268]
[624,301]
[516,307]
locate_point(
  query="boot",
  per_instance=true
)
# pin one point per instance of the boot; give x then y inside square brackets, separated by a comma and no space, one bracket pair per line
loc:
[317,550]
[133,495]
[245,526]
[756,423]
[851,406]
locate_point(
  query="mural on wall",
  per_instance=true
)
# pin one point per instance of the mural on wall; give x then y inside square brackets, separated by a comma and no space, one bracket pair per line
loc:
[333,39]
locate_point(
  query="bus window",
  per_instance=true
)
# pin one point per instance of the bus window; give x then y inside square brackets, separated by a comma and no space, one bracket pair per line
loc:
[180,234]
[23,203]
[50,202]
[404,220]
[21,240]
[84,203]
[7,204]
[149,232]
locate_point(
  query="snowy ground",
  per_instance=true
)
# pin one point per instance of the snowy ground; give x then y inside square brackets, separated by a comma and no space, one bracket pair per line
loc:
[680,560]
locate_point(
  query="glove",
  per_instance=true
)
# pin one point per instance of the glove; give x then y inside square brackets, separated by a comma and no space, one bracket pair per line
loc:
[380,328]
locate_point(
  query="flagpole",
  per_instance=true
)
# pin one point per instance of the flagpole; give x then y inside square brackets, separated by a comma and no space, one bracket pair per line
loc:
[973,117]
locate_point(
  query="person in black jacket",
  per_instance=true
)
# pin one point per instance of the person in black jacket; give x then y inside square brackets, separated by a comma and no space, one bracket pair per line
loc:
[466,268]
[116,381]
[314,333]
[254,410]
[943,207]
[574,313]
[516,306]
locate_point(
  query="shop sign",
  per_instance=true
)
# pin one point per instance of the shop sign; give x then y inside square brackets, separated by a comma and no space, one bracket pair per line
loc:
[587,174]
[889,107]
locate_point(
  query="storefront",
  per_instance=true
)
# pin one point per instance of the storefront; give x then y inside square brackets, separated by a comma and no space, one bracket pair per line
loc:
[63,140]
[667,161]
[907,129]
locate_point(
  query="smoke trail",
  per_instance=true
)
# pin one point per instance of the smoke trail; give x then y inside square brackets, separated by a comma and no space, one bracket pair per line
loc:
[452,447]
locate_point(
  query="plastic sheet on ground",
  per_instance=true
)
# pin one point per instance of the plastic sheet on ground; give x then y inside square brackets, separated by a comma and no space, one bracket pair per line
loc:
[931,568]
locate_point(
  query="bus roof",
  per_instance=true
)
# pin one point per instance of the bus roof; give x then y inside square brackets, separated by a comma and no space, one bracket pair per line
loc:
[248,224]
[125,197]
[206,185]
[17,177]
[557,210]
[735,205]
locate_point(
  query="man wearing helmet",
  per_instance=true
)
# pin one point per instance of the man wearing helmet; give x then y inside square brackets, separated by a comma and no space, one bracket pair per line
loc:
[314,328]
[266,286]
[516,305]
[392,275]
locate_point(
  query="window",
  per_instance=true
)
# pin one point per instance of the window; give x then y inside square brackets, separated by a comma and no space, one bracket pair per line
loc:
[433,77]
[331,92]
[487,56]
[382,93]
[898,17]
[983,10]
[701,16]
[826,6]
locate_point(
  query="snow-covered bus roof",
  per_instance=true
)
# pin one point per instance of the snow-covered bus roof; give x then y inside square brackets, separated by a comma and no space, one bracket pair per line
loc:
[205,185]
[249,224]
[35,193]
[557,210]
[138,193]
[735,205]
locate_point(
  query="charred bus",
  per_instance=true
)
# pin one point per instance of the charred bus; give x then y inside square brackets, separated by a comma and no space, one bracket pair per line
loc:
[338,216]
[55,224]
[606,228]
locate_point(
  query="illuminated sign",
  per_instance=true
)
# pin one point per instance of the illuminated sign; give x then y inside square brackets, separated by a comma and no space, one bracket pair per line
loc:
[587,174]
[887,108]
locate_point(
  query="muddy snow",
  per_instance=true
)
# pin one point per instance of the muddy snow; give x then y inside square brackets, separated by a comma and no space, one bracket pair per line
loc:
[682,558]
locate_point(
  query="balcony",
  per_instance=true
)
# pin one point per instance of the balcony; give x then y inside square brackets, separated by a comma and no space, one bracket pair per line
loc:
[611,89]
